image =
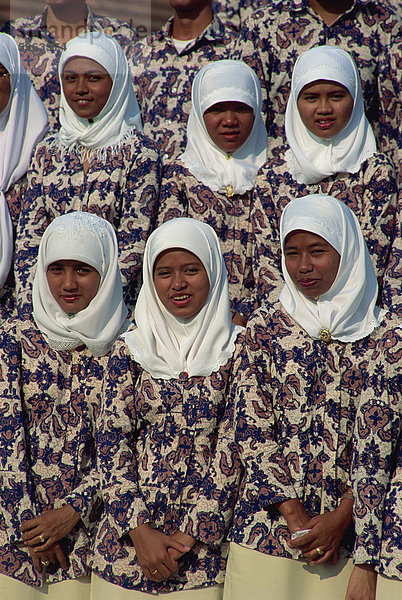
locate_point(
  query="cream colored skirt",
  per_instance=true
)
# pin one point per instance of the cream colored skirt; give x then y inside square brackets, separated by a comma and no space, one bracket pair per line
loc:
[388,589]
[252,575]
[103,590]
[71,589]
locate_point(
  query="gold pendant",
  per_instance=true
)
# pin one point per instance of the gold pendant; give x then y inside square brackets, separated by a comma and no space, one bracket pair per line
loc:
[325,336]
[228,156]
[229,191]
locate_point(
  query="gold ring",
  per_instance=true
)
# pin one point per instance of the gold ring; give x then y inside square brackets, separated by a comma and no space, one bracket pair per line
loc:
[153,572]
[41,538]
[319,551]
[45,563]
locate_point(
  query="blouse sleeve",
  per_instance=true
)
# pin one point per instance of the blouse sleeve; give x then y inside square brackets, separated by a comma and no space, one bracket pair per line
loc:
[173,201]
[16,496]
[210,514]
[115,440]
[376,435]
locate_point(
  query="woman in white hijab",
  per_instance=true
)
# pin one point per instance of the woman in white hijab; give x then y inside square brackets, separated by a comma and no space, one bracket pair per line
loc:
[168,475]
[331,151]
[303,370]
[23,122]
[98,162]
[52,376]
[214,178]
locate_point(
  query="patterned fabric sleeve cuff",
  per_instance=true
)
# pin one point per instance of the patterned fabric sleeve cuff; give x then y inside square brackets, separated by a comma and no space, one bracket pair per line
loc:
[208,528]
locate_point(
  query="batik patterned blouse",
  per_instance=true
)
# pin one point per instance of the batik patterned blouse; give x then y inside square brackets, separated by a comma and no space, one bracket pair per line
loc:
[163,78]
[123,189]
[371,194]
[182,195]
[274,36]
[49,402]
[41,51]
[158,444]
[392,293]
[377,465]
[295,409]
[232,13]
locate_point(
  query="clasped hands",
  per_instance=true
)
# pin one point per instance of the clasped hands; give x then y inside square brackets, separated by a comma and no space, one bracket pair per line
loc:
[158,553]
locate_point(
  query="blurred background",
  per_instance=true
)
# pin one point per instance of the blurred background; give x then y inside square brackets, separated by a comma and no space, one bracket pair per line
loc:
[145,15]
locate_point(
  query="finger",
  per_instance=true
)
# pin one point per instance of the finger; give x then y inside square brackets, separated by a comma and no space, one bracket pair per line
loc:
[31,534]
[30,524]
[321,559]
[37,542]
[46,546]
[61,557]
[173,543]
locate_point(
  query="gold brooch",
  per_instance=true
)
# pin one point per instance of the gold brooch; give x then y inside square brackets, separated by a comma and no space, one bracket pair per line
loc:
[228,156]
[325,335]
[229,191]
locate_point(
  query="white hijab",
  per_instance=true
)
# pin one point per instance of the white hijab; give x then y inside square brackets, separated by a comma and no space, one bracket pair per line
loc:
[222,81]
[22,124]
[310,158]
[165,345]
[120,116]
[348,310]
[87,238]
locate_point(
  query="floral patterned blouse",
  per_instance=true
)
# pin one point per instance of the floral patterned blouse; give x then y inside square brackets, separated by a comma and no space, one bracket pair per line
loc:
[377,460]
[295,409]
[123,189]
[182,195]
[158,445]
[273,37]
[371,194]
[162,79]
[49,403]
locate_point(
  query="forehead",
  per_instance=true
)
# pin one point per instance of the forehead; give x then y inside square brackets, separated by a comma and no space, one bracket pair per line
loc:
[323,86]
[82,65]
[230,105]
[70,263]
[176,257]
[300,237]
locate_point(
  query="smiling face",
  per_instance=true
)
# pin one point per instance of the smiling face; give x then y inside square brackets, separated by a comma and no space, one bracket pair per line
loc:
[181,282]
[229,124]
[73,284]
[312,263]
[5,87]
[325,108]
[86,86]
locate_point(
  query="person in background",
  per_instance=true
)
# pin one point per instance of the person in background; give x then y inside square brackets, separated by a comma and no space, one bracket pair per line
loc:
[233,13]
[376,476]
[370,31]
[303,370]
[23,123]
[51,377]
[99,162]
[41,40]
[331,150]
[214,177]
[164,65]
[162,428]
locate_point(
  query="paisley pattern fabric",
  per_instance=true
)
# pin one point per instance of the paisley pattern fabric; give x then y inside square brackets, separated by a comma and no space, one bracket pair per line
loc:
[233,13]
[295,409]
[162,449]
[123,190]
[40,52]
[377,460]
[163,78]
[49,402]
[182,195]
[371,194]
[370,31]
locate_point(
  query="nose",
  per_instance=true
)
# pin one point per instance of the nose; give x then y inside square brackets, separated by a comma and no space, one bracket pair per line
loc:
[82,85]
[305,264]
[229,118]
[324,105]
[70,280]
[178,282]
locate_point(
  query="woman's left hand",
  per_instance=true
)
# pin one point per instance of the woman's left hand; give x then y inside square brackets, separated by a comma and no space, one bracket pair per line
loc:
[51,526]
[321,544]
[183,538]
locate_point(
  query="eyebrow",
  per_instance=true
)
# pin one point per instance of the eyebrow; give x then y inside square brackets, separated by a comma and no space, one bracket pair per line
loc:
[314,245]
[97,71]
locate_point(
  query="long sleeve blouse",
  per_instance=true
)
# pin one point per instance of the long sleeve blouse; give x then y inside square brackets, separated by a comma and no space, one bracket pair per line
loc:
[123,189]
[49,402]
[160,445]
[182,195]
[295,409]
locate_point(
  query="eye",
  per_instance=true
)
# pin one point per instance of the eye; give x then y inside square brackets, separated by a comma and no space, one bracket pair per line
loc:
[54,269]
[69,77]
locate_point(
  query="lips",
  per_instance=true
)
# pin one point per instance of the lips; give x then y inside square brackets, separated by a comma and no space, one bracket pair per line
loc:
[325,123]
[307,282]
[181,299]
[70,299]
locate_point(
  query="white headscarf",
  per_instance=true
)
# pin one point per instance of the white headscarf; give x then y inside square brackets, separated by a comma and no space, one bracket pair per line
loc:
[120,116]
[311,158]
[22,124]
[225,81]
[165,345]
[348,310]
[87,238]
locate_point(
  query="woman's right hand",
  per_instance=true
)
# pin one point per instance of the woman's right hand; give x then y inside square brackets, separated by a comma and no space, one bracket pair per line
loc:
[152,547]
[362,583]
[54,554]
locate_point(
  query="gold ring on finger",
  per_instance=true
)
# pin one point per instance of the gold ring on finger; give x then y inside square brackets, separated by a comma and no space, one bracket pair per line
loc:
[45,563]
[154,572]
[41,539]
[319,551]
